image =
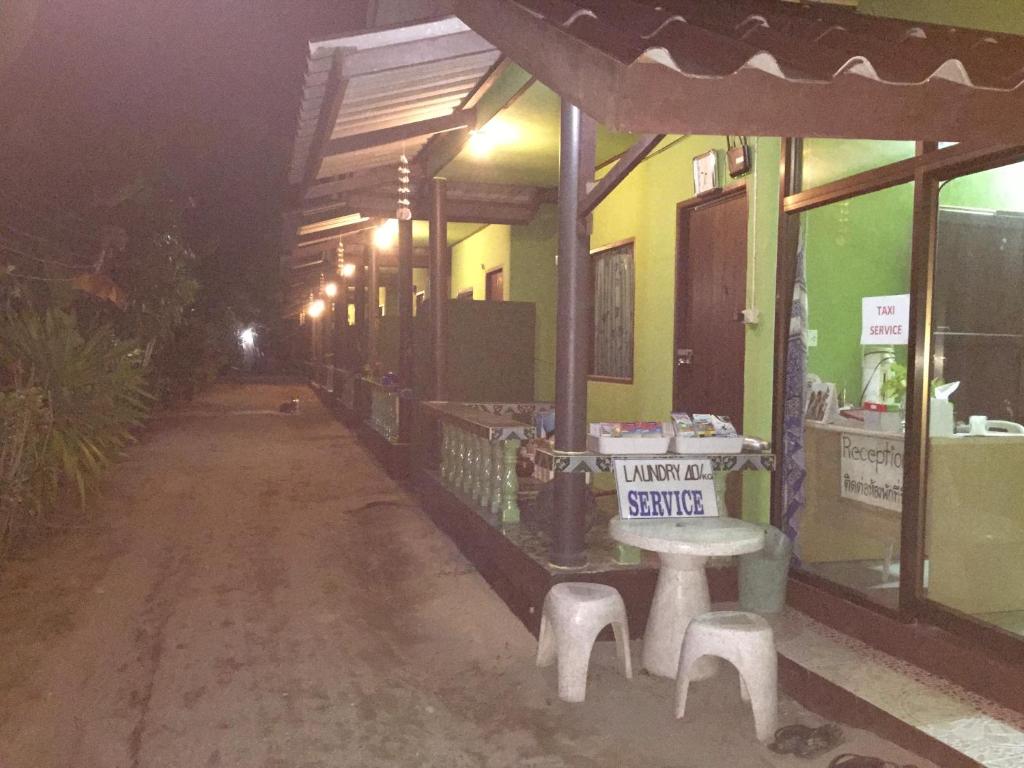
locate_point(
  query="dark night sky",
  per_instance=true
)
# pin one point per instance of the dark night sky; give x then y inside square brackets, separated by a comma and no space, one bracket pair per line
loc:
[205,92]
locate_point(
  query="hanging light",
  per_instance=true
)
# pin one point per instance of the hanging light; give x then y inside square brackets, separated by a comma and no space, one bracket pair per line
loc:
[403,212]
[348,269]
[330,290]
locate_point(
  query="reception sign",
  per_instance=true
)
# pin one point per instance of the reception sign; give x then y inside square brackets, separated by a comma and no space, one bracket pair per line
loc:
[871,470]
[885,319]
[650,489]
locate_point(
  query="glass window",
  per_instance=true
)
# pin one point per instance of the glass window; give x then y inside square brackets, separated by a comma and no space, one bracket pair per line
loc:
[974,513]
[613,313]
[828,160]
[856,257]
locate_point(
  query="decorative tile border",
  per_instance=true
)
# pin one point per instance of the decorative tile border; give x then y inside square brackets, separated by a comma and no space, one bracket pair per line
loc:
[491,426]
[982,730]
[558,461]
[521,411]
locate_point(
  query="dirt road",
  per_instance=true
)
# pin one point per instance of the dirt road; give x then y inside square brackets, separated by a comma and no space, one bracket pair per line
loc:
[251,590]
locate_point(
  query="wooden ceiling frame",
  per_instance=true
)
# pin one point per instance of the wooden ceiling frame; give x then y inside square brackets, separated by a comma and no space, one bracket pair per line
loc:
[459,120]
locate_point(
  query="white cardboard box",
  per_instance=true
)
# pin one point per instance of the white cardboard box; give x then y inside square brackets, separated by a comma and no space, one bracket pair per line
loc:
[708,445]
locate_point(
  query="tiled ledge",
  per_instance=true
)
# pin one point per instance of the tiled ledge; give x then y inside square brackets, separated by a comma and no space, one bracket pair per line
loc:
[982,731]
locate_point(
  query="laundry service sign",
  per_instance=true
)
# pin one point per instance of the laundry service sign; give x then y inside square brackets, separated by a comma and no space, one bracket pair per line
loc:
[649,489]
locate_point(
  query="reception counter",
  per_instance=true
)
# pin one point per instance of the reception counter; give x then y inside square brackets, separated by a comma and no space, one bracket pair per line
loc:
[974,521]
[974,526]
[835,528]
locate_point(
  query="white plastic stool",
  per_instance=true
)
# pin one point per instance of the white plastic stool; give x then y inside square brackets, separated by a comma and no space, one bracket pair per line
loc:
[573,616]
[746,640]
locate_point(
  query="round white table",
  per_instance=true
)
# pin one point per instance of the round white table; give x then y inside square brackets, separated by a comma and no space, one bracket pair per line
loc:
[683,545]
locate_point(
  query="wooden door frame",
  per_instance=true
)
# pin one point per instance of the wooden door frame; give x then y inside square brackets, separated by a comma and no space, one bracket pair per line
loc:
[487,283]
[683,210]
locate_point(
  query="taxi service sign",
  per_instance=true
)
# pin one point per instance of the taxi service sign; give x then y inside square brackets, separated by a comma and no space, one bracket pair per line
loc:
[650,489]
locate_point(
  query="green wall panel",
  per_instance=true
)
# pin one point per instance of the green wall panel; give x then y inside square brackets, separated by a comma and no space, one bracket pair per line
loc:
[477,255]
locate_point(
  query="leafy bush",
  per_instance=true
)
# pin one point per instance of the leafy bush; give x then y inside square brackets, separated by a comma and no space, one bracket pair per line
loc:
[92,389]
[24,422]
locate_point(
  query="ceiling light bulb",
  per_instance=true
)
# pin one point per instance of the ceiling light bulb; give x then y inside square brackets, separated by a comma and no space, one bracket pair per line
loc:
[316,308]
[481,144]
[386,234]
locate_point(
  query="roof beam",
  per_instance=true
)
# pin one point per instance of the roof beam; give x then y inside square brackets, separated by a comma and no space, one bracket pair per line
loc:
[630,159]
[468,211]
[331,106]
[371,178]
[458,120]
[332,234]
[641,96]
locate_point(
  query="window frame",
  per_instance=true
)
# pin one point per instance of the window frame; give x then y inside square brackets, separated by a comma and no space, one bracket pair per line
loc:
[595,253]
[930,167]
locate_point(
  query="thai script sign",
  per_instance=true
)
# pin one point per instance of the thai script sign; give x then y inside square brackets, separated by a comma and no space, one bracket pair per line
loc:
[649,489]
[871,470]
[885,319]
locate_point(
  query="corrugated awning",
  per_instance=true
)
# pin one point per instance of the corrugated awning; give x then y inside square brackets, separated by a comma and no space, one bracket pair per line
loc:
[368,97]
[763,67]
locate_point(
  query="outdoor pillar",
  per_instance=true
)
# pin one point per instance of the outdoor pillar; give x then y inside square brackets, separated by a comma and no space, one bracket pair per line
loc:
[372,313]
[359,335]
[342,337]
[405,348]
[330,327]
[439,278]
[572,352]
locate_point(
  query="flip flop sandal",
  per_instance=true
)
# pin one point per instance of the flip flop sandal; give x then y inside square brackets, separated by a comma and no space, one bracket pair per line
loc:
[804,741]
[862,761]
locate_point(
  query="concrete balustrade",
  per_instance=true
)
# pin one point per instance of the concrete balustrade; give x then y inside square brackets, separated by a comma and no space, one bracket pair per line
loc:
[479,448]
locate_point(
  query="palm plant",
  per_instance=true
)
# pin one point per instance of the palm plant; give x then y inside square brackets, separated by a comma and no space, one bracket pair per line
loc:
[93,392]
[23,424]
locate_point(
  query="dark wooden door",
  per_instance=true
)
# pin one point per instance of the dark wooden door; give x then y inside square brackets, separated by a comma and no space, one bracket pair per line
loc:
[495,288]
[711,279]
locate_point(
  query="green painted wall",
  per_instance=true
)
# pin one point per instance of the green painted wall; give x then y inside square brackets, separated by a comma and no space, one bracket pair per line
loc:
[478,254]
[995,15]
[854,248]
[532,278]
[527,254]
[1001,189]
[861,247]
[643,208]
[826,160]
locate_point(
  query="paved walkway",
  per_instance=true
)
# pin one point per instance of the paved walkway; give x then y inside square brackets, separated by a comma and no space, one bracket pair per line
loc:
[251,590]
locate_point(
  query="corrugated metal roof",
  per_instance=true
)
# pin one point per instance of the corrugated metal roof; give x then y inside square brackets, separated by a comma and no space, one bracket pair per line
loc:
[808,41]
[388,78]
[613,56]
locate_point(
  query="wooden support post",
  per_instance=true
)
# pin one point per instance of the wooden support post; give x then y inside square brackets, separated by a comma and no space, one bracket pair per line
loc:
[573,342]
[439,278]
[789,241]
[372,312]
[405,348]
[359,331]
